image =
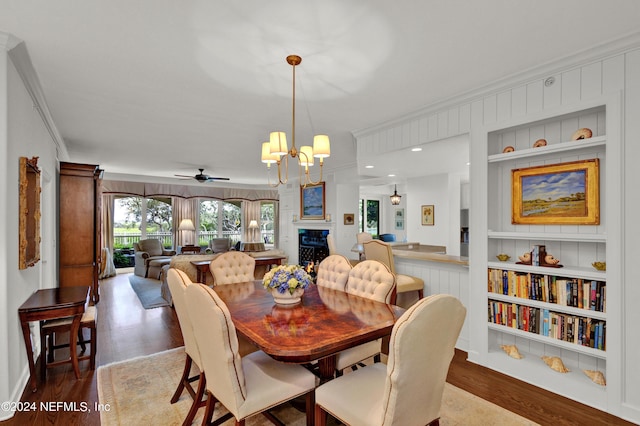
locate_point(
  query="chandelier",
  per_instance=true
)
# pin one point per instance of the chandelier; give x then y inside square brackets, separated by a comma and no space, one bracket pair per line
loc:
[395,198]
[277,151]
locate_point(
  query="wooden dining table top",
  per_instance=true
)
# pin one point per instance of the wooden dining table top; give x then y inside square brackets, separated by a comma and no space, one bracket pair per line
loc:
[324,323]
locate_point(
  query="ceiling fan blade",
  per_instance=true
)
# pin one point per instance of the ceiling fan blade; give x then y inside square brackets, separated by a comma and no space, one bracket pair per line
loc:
[217,178]
[184,176]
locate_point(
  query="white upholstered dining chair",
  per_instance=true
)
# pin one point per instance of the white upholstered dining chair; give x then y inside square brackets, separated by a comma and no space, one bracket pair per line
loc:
[178,282]
[408,390]
[232,267]
[333,272]
[371,280]
[246,385]
[381,251]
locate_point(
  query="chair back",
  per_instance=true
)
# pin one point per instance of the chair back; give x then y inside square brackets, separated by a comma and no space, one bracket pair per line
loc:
[331,244]
[152,246]
[372,280]
[361,237]
[178,282]
[218,343]
[420,350]
[232,267]
[380,251]
[333,272]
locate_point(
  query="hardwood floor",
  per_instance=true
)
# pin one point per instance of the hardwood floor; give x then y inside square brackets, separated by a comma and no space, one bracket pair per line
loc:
[127,330]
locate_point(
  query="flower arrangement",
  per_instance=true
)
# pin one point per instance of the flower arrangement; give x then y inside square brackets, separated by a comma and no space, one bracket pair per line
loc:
[285,278]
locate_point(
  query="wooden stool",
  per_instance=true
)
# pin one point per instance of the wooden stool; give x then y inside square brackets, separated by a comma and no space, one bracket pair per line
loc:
[48,329]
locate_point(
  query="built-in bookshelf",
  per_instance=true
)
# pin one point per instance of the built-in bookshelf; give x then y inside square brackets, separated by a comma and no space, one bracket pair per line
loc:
[549,310]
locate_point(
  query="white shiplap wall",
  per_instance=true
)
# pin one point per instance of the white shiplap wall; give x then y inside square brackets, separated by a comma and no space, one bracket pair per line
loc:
[613,71]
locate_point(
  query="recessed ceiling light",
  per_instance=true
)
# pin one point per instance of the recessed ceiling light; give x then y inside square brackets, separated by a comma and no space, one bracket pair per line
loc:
[368,167]
[416,149]
[468,164]
[391,175]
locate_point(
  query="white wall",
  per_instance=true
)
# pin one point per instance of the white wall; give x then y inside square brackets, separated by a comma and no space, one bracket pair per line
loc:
[429,190]
[22,134]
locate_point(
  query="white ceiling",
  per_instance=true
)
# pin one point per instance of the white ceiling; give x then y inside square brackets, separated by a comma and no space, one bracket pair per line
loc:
[161,88]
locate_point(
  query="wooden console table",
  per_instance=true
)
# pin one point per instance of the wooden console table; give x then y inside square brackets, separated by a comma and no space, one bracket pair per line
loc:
[49,304]
[190,249]
[202,266]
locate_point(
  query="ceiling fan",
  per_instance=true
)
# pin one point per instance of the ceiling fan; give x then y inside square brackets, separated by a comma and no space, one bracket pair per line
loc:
[201,177]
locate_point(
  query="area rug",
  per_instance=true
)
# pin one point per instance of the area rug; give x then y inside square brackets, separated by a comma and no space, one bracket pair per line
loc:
[138,391]
[148,291]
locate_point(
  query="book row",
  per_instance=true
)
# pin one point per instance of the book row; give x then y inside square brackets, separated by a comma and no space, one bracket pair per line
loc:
[574,292]
[569,328]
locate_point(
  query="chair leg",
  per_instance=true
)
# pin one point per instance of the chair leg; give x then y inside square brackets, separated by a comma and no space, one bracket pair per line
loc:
[310,401]
[211,405]
[94,347]
[376,358]
[197,401]
[320,416]
[185,376]
[83,345]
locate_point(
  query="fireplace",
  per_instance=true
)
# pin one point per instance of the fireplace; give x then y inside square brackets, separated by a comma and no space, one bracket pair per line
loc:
[312,246]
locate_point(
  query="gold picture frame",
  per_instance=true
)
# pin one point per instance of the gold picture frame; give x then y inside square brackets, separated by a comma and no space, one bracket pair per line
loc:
[427,213]
[556,194]
[312,202]
[29,213]
[349,219]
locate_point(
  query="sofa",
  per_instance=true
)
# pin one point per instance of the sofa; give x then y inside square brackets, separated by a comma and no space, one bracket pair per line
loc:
[150,257]
[183,262]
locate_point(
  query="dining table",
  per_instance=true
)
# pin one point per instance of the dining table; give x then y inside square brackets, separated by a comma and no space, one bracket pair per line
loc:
[324,323]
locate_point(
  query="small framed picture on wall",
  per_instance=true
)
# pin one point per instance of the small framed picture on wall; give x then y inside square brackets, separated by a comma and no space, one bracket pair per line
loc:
[427,215]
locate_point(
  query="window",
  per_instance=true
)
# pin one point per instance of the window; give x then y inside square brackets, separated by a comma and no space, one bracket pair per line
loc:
[369,218]
[267,222]
[136,218]
[219,219]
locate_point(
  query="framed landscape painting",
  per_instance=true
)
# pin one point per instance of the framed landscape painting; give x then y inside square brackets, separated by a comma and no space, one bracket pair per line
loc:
[312,204]
[557,194]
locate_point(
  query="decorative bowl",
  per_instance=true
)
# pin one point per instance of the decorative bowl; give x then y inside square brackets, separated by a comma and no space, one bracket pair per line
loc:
[503,257]
[600,266]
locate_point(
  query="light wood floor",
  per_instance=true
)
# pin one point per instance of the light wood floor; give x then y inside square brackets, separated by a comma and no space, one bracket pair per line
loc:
[127,330]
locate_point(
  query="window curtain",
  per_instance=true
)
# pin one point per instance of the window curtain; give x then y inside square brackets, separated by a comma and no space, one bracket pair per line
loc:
[107,268]
[184,209]
[250,211]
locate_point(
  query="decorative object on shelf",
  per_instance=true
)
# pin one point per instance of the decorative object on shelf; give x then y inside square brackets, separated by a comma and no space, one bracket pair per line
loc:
[550,260]
[600,266]
[312,201]
[525,258]
[555,363]
[508,149]
[583,133]
[557,194]
[349,218]
[512,351]
[276,150]
[596,377]
[539,143]
[29,213]
[427,214]
[395,197]
[503,257]
[287,283]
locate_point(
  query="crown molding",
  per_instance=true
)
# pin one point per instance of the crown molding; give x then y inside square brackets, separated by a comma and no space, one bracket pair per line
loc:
[17,52]
[580,58]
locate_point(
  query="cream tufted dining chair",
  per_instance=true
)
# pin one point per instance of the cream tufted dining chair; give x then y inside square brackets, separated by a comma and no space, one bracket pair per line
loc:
[333,272]
[408,390]
[381,251]
[232,267]
[246,385]
[178,282]
[361,238]
[371,280]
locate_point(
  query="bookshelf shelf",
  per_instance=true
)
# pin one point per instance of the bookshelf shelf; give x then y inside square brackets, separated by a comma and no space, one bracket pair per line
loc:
[583,145]
[550,341]
[584,272]
[547,236]
[550,306]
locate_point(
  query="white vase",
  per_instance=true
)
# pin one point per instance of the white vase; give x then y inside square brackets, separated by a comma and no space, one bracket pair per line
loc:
[287,298]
